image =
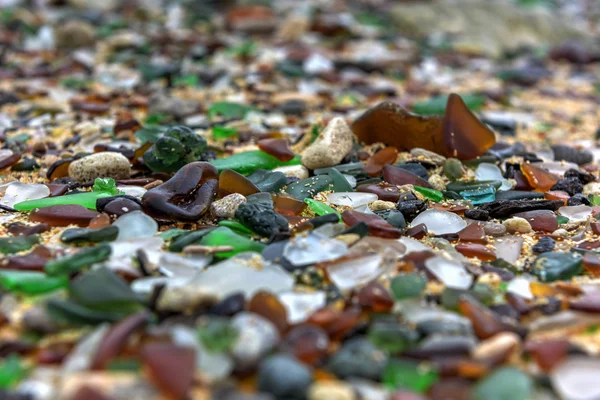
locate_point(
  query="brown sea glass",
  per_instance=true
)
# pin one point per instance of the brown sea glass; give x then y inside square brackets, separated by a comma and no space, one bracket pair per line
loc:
[288,205]
[116,338]
[375,297]
[308,343]
[170,367]
[184,197]
[383,190]
[57,189]
[232,182]
[20,229]
[595,228]
[548,353]
[278,148]
[521,181]
[539,179]
[400,176]
[485,322]
[377,225]
[476,250]
[393,125]
[540,220]
[588,303]
[417,232]
[473,233]
[33,261]
[63,215]
[591,263]
[465,137]
[100,221]
[267,305]
[9,159]
[59,169]
[375,163]
[557,195]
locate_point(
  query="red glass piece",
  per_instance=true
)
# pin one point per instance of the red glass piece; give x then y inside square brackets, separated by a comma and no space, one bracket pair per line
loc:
[278,148]
[383,190]
[171,367]
[400,176]
[473,233]
[375,163]
[63,215]
[377,225]
[116,338]
[540,220]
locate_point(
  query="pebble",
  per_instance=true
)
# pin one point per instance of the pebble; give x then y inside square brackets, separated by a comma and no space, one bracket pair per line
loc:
[517,225]
[358,358]
[226,207]
[257,337]
[440,222]
[428,155]
[73,34]
[284,377]
[331,390]
[100,165]
[477,214]
[544,245]
[294,171]
[330,147]
[379,205]
[591,188]
[494,229]
[437,182]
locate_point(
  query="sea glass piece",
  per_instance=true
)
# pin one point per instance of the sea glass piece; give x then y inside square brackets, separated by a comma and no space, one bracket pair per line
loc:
[8,158]
[268,181]
[577,378]
[539,178]
[465,137]
[135,225]
[79,236]
[508,248]
[313,248]
[288,205]
[476,250]
[17,192]
[87,200]
[430,194]
[485,322]
[63,215]
[552,266]
[223,236]
[481,195]
[171,367]
[232,182]
[410,375]
[384,191]
[278,148]
[75,262]
[440,222]
[309,187]
[321,208]
[385,156]
[504,383]
[491,172]
[351,199]
[451,273]
[16,244]
[186,196]
[350,272]
[31,282]
[268,306]
[540,220]
[576,213]
[300,306]
[377,226]
[473,233]
[308,343]
[393,125]
[400,176]
[249,161]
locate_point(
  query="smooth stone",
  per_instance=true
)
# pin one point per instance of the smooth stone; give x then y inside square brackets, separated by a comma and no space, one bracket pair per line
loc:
[312,248]
[440,222]
[451,273]
[284,377]
[552,266]
[331,390]
[577,378]
[508,248]
[358,358]
[227,206]
[135,225]
[257,337]
[17,192]
[330,147]
[576,213]
[517,225]
[351,199]
[100,165]
[436,158]
[121,206]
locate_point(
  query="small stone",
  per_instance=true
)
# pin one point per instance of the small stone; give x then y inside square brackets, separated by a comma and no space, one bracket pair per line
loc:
[100,165]
[226,207]
[591,188]
[428,155]
[257,337]
[571,154]
[73,34]
[293,171]
[358,358]
[494,229]
[331,390]
[437,182]
[544,245]
[379,205]
[284,377]
[517,225]
[552,266]
[560,233]
[477,214]
[331,146]
[440,222]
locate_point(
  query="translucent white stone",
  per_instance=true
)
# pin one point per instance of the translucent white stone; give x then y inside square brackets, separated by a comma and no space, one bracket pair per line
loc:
[317,63]
[491,172]
[135,191]
[508,247]
[123,249]
[351,199]
[257,337]
[348,274]
[577,378]
[313,248]
[351,180]
[364,209]
[450,273]
[558,167]
[576,213]
[520,286]
[173,264]
[135,225]
[17,192]
[245,273]
[413,245]
[300,306]
[440,222]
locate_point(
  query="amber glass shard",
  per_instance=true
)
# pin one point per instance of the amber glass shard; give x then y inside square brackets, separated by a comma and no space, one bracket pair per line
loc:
[308,343]
[465,137]
[267,305]
[476,250]
[473,233]
[383,157]
[232,182]
[116,338]
[288,205]
[400,176]
[539,178]
[59,169]
[557,195]
[393,125]
[278,148]
[375,297]
[171,368]
[485,322]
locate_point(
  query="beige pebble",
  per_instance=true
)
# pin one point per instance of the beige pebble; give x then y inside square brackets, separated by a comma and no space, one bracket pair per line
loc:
[379,205]
[331,390]
[498,345]
[331,146]
[560,232]
[100,165]
[295,171]
[227,206]
[437,182]
[517,225]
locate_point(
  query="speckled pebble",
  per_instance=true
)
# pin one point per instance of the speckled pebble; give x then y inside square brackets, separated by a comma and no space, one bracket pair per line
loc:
[100,165]
[591,188]
[517,225]
[437,182]
[226,207]
[331,146]
[428,155]
[494,229]
[379,205]
[560,232]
